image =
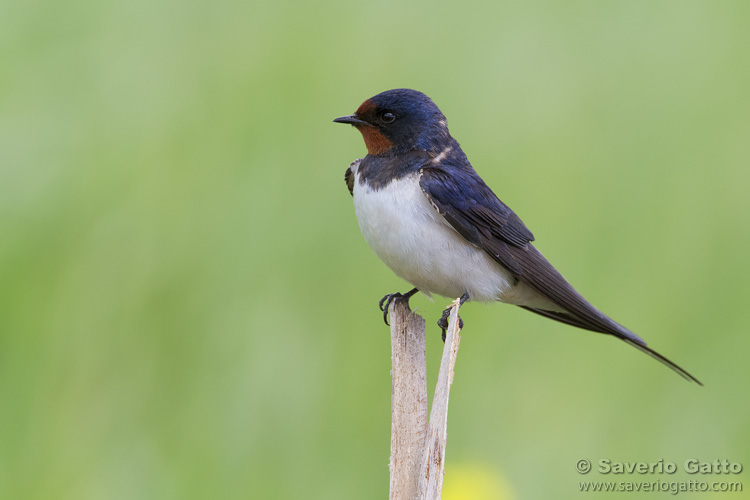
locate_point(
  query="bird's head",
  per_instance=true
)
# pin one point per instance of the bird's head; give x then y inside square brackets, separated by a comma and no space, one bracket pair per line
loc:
[399,120]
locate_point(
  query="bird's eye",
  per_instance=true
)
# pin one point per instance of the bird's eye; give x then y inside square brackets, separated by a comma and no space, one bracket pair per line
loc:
[388,117]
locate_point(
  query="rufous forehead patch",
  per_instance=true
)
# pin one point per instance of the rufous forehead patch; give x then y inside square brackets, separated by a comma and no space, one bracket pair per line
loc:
[366,107]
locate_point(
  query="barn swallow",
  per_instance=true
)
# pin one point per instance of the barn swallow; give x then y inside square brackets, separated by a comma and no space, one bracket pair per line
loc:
[428,216]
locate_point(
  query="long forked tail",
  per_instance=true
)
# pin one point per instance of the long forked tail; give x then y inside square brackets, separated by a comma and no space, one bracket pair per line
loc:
[681,371]
[571,307]
[608,326]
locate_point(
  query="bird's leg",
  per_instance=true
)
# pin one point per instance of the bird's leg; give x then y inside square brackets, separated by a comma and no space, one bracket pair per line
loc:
[443,321]
[385,302]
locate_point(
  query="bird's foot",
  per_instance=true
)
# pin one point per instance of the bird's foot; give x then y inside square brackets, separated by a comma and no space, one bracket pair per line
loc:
[385,302]
[443,321]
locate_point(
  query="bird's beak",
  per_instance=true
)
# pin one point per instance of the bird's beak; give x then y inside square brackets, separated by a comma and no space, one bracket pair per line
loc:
[351,119]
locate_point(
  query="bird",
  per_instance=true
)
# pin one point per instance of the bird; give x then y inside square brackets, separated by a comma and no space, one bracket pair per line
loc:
[429,216]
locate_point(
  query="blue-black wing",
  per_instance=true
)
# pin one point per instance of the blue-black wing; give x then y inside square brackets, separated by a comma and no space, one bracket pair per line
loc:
[470,206]
[472,209]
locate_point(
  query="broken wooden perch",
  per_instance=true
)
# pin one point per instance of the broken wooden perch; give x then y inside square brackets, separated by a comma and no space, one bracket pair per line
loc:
[418,444]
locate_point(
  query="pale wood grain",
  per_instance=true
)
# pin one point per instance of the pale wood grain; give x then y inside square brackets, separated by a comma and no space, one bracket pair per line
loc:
[417,445]
[408,400]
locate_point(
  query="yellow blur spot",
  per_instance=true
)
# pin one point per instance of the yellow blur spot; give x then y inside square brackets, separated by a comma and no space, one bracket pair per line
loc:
[474,482]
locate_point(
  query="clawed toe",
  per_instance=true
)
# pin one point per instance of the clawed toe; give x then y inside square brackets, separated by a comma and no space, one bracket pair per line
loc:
[443,321]
[385,302]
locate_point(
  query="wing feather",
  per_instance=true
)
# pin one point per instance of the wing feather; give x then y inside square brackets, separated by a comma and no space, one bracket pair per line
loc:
[473,210]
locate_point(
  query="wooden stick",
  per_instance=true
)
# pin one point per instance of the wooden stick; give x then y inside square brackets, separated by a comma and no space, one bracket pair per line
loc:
[433,461]
[408,400]
[417,447]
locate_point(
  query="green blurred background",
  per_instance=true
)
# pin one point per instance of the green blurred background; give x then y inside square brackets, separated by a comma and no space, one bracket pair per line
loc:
[188,310]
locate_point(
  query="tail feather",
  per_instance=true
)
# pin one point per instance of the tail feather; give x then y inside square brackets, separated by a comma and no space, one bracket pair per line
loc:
[572,308]
[677,368]
[618,331]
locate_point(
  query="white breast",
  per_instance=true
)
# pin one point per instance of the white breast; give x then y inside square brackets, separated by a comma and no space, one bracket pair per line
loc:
[419,245]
